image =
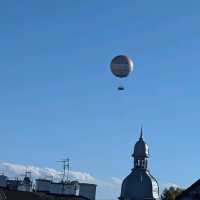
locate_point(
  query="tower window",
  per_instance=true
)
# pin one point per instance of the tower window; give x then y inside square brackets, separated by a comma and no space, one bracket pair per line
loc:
[143,164]
[140,163]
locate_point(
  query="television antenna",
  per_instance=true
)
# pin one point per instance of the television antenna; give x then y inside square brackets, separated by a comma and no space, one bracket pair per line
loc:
[66,168]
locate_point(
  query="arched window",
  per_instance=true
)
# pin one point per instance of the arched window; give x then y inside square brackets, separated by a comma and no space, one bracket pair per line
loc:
[138,163]
[143,163]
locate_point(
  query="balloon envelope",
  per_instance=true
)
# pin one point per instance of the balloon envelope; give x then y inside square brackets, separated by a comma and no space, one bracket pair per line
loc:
[121,66]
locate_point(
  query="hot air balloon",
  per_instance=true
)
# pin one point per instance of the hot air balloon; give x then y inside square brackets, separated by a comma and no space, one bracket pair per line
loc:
[121,66]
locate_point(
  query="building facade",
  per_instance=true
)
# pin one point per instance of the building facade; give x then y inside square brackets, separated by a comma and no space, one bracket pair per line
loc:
[140,184]
[68,189]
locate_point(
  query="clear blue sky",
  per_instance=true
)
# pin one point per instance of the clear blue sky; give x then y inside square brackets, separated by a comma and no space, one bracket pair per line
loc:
[58,97]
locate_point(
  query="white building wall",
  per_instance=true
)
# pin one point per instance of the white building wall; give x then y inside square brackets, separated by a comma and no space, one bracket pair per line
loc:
[87,190]
[3,181]
[71,188]
[56,188]
[24,188]
[42,185]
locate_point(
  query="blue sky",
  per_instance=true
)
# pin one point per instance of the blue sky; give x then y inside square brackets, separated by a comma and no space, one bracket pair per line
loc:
[59,99]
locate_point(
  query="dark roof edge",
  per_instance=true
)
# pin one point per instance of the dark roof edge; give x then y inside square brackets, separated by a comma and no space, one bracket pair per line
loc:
[186,191]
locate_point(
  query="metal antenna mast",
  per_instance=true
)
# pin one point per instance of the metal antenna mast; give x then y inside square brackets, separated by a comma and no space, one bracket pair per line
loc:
[66,166]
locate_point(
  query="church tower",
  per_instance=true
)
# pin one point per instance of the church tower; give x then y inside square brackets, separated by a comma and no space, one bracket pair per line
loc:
[140,184]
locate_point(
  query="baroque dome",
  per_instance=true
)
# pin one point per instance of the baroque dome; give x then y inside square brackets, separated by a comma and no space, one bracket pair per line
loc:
[139,184]
[141,149]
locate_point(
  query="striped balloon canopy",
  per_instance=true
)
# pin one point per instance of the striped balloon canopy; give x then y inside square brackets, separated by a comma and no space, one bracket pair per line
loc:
[121,66]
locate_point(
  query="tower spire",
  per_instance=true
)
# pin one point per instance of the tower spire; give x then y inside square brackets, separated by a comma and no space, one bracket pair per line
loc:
[141,132]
